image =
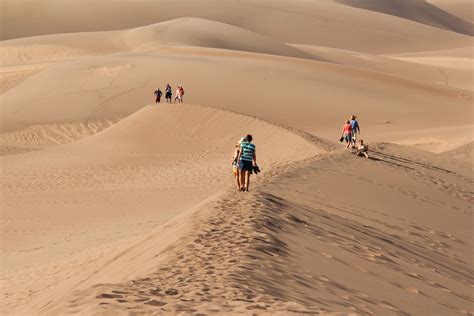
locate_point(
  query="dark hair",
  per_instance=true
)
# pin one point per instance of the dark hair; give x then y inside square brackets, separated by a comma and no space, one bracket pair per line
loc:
[249,138]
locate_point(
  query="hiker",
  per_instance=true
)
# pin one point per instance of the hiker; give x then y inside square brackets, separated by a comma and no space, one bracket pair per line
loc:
[347,133]
[168,93]
[179,92]
[235,163]
[158,95]
[362,149]
[355,129]
[247,162]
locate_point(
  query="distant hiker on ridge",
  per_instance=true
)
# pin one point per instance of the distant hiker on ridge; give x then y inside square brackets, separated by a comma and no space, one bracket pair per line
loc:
[168,93]
[179,94]
[158,95]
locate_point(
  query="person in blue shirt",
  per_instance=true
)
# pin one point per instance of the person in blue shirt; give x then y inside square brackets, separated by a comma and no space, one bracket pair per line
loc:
[355,129]
[247,161]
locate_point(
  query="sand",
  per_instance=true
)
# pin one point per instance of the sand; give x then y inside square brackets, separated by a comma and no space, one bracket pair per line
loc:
[113,205]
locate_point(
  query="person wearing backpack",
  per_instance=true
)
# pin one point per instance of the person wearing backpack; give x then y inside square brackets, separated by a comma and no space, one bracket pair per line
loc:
[247,162]
[168,93]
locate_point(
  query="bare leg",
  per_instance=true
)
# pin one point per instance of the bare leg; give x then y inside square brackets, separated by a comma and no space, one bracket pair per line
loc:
[247,180]
[237,178]
[242,179]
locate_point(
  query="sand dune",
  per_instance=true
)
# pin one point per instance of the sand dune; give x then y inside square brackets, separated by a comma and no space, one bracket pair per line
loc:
[331,24]
[115,86]
[111,207]
[462,153]
[418,11]
[129,175]
[444,68]
[184,31]
[280,250]
[460,8]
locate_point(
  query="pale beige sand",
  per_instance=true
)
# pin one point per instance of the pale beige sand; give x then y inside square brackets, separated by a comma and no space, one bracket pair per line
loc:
[282,250]
[125,179]
[323,23]
[112,207]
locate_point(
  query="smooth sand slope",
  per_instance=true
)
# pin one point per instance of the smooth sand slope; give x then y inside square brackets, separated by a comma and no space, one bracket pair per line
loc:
[320,94]
[460,8]
[323,23]
[282,250]
[112,207]
[416,10]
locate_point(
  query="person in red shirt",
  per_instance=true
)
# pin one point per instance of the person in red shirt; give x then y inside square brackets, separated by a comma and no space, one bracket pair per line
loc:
[347,133]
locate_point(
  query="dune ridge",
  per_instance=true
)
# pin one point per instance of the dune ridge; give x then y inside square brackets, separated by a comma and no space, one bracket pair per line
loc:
[274,236]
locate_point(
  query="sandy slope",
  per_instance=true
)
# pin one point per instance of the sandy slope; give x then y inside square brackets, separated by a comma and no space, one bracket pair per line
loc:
[330,23]
[312,96]
[184,31]
[438,67]
[462,153]
[461,8]
[284,251]
[109,188]
[418,11]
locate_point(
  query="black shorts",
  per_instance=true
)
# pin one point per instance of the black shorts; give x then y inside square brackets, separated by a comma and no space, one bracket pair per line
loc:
[168,95]
[246,165]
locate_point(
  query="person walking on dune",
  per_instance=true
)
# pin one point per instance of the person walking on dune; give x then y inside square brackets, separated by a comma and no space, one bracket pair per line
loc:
[247,161]
[235,163]
[355,129]
[158,95]
[168,93]
[347,133]
[179,94]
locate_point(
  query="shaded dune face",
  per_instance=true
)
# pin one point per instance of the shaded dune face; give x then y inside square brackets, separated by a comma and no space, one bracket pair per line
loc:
[418,11]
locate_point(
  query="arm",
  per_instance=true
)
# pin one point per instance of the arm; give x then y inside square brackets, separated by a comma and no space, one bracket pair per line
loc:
[236,154]
[254,158]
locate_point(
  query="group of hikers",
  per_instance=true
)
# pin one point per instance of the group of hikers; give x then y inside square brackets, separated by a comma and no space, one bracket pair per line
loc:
[169,94]
[244,159]
[350,132]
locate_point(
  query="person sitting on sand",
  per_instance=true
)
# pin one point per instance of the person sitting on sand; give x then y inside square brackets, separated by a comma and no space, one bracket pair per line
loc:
[168,93]
[355,129]
[347,133]
[235,163]
[158,95]
[362,149]
[247,161]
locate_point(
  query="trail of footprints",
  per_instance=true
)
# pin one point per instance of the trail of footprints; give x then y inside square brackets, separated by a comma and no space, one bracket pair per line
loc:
[202,272]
